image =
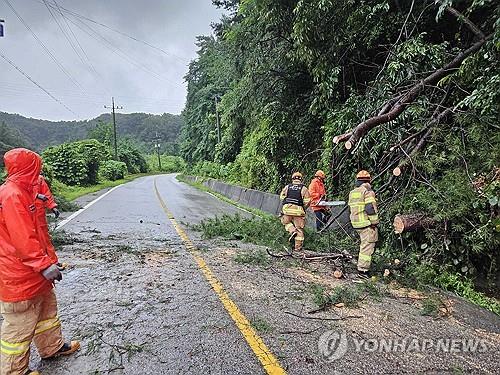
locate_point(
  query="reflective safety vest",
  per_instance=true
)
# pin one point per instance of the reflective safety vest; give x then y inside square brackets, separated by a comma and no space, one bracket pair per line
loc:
[295,197]
[358,199]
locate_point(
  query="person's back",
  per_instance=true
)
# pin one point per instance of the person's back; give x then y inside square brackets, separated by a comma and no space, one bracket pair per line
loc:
[295,199]
[318,192]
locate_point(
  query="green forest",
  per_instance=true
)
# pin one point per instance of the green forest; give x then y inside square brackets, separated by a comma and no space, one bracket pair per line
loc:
[142,127]
[405,89]
[79,155]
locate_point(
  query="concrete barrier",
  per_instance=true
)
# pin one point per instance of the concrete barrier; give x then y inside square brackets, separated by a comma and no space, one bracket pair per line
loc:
[264,201]
[270,203]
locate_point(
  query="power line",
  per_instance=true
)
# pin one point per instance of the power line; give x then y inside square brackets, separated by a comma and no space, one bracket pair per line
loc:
[75,14]
[35,83]
[98,76]
[75,82]
[63,31]
[119,52]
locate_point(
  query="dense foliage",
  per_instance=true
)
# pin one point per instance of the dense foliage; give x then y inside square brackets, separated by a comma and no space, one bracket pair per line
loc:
[113,170]
[289,75]
[76,163]
[169,163]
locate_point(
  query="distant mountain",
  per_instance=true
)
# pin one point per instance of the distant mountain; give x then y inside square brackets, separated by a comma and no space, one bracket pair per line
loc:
[141,127]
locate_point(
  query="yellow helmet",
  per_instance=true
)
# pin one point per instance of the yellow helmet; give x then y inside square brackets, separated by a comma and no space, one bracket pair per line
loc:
[319,173]
[363,176]
[297,176]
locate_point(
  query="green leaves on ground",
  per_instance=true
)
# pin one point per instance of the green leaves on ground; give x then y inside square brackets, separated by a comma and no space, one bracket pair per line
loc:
[266,231]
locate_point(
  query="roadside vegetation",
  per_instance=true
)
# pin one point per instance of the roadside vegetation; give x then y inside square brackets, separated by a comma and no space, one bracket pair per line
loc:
[266,230]
[294,78]
[78,168]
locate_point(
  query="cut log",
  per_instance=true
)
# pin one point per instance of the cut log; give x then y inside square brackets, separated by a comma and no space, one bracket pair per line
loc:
[341,138]
[411,222]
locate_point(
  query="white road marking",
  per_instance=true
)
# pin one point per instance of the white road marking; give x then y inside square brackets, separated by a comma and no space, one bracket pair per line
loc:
[88,205]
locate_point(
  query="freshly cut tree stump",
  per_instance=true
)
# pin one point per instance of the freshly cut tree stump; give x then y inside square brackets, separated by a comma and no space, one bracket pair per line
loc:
[411,222]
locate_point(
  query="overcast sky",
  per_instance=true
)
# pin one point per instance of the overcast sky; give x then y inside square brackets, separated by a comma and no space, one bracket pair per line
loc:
[141,78]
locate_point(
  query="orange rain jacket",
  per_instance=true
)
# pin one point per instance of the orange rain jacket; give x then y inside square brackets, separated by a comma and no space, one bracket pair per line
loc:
[22,254]
[43,188]
[318,192]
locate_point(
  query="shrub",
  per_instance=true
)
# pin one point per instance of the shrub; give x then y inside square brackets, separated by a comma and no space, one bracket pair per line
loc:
[169,163]
[113,170]
[76,163]
[211,169]
[130,154]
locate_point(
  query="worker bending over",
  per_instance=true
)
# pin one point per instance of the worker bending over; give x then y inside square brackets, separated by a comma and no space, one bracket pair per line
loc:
[364,218]
[295,199]
[27,271]
[318,194]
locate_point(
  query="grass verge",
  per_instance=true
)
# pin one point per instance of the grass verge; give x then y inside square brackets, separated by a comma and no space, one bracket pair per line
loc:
[70,193]
[424,274]
[257,258]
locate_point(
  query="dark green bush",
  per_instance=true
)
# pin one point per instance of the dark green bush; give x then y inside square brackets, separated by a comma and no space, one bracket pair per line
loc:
[130,154]
[113,170]
[76,163]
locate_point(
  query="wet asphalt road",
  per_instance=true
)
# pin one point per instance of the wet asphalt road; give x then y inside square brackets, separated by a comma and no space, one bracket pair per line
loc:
[138,302]
[135,296]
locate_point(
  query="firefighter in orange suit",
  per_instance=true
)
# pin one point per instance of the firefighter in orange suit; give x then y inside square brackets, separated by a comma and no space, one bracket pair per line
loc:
[364,218]
[295,199]
[45,200]
[27,272]
[318,193]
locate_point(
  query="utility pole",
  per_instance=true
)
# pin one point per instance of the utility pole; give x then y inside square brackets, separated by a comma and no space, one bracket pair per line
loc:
[157,145]
[113,107]
[216,98]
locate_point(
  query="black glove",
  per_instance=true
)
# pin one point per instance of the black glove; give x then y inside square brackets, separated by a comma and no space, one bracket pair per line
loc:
[42,197]
[56,212]
[52,273]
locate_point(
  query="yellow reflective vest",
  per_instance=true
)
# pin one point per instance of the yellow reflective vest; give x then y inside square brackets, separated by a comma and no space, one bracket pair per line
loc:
[293,209]
[358,199]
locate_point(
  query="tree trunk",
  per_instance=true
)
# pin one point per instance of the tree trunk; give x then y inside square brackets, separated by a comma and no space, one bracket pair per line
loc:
[411,222]
[409,97]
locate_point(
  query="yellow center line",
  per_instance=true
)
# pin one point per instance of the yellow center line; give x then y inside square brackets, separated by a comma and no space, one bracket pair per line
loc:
[267,359]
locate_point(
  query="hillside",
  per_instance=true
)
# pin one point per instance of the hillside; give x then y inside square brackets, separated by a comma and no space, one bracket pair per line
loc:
[407,90]
[142,127]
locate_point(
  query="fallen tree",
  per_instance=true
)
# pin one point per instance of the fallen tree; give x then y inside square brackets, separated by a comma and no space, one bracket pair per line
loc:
[394,110]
